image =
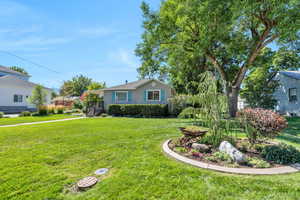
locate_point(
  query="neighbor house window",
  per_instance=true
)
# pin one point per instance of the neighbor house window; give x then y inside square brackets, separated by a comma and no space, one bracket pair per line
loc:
[18,98]
[121,96]
[153,95]
[293,94]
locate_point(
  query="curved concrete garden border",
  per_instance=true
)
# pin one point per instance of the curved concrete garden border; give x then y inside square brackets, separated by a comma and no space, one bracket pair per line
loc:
[265,171]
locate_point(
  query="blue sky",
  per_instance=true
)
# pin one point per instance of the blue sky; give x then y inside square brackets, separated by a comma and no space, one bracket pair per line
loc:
[95,38]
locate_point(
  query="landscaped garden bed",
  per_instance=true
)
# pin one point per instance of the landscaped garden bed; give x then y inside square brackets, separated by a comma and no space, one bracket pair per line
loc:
[218,145]
[257,150]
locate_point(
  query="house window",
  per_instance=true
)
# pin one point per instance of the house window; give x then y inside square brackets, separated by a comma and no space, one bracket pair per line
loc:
[18,98]
[121,96]
[293,94]
[153,95]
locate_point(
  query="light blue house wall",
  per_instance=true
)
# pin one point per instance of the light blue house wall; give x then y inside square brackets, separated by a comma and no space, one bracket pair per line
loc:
[139,95]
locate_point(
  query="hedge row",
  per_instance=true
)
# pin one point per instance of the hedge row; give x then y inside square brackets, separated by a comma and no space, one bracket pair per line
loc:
[142,110]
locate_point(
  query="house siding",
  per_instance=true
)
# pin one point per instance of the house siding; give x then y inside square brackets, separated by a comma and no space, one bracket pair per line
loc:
[284,106]
[7,92]
[138,96]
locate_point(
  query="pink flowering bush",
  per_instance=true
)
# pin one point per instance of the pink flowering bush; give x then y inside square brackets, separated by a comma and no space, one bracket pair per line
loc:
[261,123]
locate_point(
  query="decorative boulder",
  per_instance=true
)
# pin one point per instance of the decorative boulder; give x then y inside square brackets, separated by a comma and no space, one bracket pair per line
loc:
[235,154]
[200,147]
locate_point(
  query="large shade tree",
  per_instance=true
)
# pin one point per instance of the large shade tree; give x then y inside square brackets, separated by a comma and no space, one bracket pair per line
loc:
[76,86]
[229,34]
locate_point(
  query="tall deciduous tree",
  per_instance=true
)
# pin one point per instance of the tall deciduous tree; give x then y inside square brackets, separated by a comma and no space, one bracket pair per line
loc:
[76,86]
[230,34]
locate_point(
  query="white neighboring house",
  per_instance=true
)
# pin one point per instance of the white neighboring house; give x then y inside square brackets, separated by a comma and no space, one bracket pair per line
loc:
[15,89]
[288,93]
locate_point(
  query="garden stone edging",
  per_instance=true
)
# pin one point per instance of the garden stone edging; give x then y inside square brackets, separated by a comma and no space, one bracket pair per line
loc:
[249,171]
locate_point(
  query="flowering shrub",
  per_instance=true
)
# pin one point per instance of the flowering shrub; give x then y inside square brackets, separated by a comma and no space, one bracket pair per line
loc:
[261,123]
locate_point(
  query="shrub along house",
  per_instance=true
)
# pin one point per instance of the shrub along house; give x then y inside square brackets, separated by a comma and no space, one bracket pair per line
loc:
[145,91]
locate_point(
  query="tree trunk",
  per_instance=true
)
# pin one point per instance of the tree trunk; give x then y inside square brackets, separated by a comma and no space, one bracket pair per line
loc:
[232,95]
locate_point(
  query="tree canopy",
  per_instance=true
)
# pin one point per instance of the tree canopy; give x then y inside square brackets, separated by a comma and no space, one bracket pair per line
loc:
[96,85]
[78,85]
[229,35]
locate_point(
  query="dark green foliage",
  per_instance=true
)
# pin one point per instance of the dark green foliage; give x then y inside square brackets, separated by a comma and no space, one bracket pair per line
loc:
[25,114]
[1,114]
[43,110]
[281,154]
[115,109]
[60,110]
[144,110]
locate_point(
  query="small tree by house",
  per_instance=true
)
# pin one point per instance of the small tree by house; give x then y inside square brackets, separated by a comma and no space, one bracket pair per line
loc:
[38,97]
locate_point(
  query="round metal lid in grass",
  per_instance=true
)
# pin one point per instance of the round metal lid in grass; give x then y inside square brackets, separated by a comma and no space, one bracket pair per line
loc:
[101,171]
[87,182]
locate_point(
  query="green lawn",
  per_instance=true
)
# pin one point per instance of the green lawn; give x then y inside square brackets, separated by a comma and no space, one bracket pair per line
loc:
[18,120]
[42,161]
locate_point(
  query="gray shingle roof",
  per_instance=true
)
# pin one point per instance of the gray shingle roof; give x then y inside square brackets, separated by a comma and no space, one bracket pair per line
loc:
[130,86]
[7,70]
[291,74]
[17,81]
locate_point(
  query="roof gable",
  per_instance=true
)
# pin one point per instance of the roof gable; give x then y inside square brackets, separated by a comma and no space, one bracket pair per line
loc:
[291,74]
[132,85]
[10,71]
[8,79]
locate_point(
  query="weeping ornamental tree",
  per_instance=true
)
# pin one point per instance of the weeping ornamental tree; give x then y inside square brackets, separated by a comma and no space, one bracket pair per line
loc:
[229,34]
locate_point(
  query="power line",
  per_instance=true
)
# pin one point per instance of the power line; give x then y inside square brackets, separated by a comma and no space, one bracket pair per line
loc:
[29,61]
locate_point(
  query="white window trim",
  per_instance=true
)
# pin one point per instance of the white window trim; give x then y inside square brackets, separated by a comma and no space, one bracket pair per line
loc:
[116,97]
[154,90]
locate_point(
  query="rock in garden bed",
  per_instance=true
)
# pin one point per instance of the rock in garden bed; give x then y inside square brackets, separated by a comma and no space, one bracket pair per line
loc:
[235,154]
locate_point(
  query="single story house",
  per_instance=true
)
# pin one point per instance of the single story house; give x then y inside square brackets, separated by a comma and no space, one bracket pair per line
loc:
[144,91]
[15,89]
[287,94]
